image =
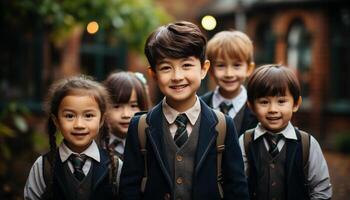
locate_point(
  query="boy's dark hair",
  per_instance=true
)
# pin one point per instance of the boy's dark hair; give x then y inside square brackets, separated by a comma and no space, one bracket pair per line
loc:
[272,80]
[120,86]
[175,40]
[77,85]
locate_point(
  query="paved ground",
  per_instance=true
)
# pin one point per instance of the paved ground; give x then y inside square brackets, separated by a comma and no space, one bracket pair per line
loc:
[339,169]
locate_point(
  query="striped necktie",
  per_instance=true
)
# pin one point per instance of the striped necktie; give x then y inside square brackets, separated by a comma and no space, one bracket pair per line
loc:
[78,163]
[225,108]
[273,139]
[181,134]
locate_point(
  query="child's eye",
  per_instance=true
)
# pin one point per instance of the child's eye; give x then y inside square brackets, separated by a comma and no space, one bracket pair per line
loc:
[89,115]
[237,65]
[135,105]
[220,65]
[281,101]
[116,106]
[164,68]
[186,65]
[263,102]
[68,116]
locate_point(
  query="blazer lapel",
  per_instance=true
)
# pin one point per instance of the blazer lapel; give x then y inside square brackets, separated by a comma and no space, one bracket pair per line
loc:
[100,170]
[155,135]
[207,135]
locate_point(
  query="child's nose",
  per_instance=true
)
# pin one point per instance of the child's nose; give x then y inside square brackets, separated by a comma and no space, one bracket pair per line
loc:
[229,71]
[78,123]
[272,107]
[126,112]
[178,74]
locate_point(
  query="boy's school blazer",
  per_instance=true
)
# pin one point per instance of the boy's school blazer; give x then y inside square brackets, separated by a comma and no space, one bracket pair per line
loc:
[159,184]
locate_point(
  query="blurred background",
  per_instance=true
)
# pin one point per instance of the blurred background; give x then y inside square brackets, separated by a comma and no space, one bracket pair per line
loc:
[43,40]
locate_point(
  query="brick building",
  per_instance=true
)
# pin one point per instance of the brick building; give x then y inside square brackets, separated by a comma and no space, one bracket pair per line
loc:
[310,36]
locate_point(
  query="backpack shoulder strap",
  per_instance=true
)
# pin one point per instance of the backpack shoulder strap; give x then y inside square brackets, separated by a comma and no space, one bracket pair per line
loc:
[247,139]
[142,125]
[305,141]
[48,159]
[220,147]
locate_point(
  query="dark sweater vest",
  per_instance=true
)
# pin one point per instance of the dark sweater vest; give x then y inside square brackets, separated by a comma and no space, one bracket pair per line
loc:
[76,189]
[181,161]
[293,183]
[271,174]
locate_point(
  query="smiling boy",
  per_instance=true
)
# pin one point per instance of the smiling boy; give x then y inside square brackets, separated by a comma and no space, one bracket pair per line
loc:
[273,152]
[181,137]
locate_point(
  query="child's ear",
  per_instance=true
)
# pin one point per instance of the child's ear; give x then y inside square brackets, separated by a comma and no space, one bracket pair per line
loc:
[297,104]
[205,68]
[251,68]
[151,73]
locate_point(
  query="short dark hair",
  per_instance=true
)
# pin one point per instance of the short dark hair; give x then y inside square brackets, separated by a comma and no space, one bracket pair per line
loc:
[272,80]
[175,40]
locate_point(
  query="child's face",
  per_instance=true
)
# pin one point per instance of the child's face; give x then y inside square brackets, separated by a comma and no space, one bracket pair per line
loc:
[179,80]
[79,120]
[120,115]
[274,112]
[230,74]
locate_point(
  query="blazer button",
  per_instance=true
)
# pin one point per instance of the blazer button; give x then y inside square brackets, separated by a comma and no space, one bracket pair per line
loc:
[179,158]
[179,180]
[166,196]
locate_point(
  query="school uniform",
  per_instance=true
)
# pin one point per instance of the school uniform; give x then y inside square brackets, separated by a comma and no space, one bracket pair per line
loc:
[242,116]
[95,184]
[118,145]
[282,176]
[188,172]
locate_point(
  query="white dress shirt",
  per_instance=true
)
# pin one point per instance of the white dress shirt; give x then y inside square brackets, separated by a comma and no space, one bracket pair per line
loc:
[171,114]
[238,102]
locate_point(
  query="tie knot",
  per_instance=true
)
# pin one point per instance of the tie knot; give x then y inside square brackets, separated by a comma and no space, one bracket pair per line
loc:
[225,108]
[181,120]
[274,138]
[77,160]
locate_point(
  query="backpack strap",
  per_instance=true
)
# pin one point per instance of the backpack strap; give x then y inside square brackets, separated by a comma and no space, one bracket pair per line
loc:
[47,160]
[248,138]
[305,141]
[142,125]
[220,147]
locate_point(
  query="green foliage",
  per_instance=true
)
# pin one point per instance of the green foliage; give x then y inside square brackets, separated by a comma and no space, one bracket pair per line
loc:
[342,142]
[129,21]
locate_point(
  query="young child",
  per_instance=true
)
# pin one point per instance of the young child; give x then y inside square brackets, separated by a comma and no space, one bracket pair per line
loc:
[231,56]
[273,157]
[128,96]
[181,137]
[77,168]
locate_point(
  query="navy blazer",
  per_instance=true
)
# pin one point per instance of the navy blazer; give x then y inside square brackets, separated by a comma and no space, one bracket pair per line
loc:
[160,184]
[244,120]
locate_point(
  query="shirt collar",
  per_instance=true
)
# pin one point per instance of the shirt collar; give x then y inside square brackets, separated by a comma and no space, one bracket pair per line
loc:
[237,101]
[171,114]
[92,151]
[288,132]
[112,137]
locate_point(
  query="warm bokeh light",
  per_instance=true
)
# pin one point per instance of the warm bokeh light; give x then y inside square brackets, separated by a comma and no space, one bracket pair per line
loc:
[208,22]
[92,27]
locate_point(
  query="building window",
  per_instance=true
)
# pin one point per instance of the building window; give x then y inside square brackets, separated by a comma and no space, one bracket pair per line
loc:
[264,44]
[340,61]
[299,57]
